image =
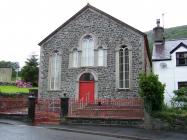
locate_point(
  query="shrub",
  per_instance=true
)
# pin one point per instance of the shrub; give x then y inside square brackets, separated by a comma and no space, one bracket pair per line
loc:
[171,115]
[180,98]
[20,83]
[152,90]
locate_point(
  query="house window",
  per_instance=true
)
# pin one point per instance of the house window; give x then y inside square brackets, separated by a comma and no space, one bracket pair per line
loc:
[100,56]
[88,51]
[181,58]
[124,67]
[75,58]
[182,84]
[54,71]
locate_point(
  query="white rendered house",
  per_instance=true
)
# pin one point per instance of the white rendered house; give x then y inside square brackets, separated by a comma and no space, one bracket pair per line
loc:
[169,60]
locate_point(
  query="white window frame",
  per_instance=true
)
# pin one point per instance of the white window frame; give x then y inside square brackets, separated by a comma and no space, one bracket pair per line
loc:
[54,71]
[101,56]
[75,58]
[87,51]
[125,79]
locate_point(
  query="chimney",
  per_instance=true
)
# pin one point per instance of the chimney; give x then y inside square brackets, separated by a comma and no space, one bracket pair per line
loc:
[158,34]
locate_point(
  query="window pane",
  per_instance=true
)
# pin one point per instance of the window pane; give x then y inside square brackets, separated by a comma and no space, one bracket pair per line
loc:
[121,68]
[100,57]
[75,58]
[185,55]
[55,72]
[126,68]
[182,84]
[87,51]
[127,83]
[86,77]
[120,84]
[181,58]
[181,61]
[84,50]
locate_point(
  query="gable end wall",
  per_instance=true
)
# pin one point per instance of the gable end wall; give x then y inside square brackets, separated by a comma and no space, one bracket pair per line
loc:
[108,33]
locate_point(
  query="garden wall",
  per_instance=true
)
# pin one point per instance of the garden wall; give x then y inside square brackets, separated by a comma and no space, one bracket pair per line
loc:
[11,103]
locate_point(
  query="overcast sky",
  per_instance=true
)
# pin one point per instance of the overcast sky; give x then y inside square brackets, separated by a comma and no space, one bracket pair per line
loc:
[24,23]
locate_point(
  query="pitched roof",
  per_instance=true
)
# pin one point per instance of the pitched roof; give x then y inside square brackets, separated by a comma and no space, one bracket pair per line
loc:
[88,6]
[181,44]
[163,52]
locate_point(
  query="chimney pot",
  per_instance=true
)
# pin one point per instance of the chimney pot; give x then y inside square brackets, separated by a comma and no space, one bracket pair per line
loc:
[158,22]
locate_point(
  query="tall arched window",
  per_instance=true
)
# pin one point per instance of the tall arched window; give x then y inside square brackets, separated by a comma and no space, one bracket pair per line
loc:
[124,74]
[54,71]
[87,51]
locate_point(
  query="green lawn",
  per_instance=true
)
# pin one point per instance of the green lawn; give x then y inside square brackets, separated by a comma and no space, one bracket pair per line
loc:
[13,89]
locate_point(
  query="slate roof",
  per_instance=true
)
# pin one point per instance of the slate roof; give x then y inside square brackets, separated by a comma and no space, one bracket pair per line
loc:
[163,52]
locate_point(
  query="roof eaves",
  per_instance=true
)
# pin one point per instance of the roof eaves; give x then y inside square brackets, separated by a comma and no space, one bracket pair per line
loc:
[161,59]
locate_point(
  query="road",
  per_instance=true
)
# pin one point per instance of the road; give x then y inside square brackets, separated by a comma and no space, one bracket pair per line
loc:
[23,132]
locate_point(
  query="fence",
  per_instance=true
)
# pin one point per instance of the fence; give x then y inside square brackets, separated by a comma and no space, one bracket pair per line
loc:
[131,108]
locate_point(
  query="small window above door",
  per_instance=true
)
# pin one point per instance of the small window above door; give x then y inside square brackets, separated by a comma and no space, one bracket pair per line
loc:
[86,77]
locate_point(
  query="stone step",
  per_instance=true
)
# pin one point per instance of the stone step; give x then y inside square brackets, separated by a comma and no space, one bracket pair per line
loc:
[105,122]
[108,106]
[109,113]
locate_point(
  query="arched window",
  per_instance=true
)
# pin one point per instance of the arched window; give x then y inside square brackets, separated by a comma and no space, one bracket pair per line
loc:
[100,56]
[87,77]
[87,51]
[54,71]
[124,67]
[75,58]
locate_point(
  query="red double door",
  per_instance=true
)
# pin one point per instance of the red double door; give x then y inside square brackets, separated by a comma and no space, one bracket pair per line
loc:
[86,91]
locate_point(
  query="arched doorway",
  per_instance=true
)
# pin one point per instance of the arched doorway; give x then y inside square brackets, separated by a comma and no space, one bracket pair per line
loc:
[86,87]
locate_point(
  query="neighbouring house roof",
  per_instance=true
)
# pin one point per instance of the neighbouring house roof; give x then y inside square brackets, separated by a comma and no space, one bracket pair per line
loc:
[181,44]
[163,52]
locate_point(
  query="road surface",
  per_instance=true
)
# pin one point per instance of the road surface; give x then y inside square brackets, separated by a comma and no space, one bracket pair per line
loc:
[24,132]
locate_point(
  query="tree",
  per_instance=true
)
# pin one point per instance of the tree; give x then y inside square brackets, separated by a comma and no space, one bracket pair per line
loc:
[30,71]
[152,90]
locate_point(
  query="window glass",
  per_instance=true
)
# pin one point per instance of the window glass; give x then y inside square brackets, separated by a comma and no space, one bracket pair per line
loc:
[182,84]
[100,57]
[75,58]
[87,51]
[86,77]
[55,71]
[181,58]
[123,67]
